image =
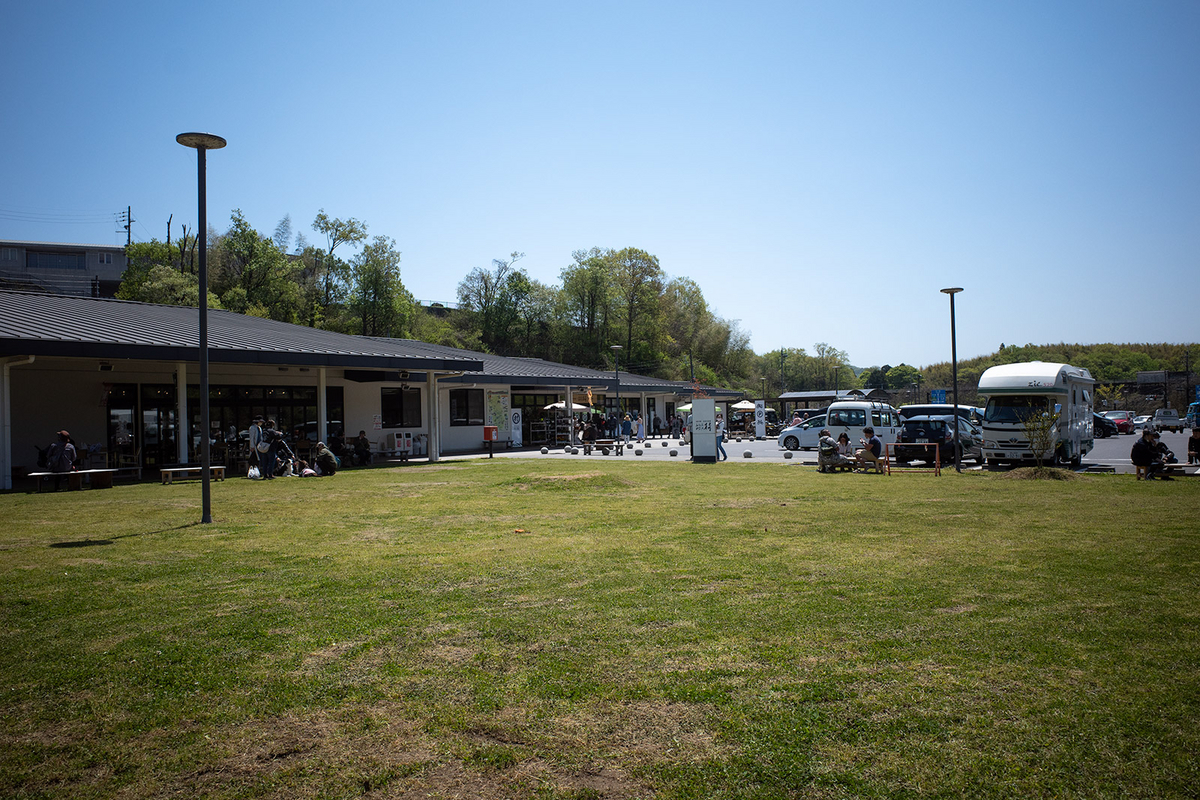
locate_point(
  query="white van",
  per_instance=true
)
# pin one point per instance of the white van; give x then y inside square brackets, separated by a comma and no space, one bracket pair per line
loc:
[849,417]
[1014,391]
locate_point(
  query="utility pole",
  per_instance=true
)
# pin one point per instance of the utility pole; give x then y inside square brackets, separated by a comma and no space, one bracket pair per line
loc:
[128,225]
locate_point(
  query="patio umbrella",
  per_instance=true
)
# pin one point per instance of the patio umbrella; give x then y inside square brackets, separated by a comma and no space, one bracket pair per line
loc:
[562,404]
[744,405]
[685,407]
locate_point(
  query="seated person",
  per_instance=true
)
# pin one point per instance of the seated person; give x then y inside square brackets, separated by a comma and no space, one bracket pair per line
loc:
[325,460]
[1145,454]
[827,453]
[306,471]
[589,437]
[1167,456]
[1194,446]
[362,449]
[843,445]
[872,450]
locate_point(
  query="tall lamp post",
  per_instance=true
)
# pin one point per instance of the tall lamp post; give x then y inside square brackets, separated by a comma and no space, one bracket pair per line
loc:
[954,368]
[616,348]
[203,142]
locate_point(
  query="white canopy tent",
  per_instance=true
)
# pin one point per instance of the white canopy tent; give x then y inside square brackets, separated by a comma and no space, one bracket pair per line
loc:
[562,404]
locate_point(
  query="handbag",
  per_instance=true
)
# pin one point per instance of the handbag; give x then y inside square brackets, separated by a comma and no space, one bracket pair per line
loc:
[263,447]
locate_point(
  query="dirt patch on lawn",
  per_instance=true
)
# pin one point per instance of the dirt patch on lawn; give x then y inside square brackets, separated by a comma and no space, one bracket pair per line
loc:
[1040,474]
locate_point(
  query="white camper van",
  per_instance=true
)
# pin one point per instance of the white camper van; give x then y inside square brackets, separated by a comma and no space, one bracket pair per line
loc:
[1014,391]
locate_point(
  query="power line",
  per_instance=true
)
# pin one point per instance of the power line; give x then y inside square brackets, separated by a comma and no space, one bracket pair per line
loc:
[56,217]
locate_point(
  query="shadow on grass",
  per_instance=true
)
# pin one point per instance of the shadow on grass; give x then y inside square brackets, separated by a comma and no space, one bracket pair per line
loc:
[99,542]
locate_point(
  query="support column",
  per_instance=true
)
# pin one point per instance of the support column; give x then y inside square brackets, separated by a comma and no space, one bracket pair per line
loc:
[322,407]
[569,407]
[435,438]
[184,425]
[6,460]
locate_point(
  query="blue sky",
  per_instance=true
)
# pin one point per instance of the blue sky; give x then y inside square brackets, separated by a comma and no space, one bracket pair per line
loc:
[820,169]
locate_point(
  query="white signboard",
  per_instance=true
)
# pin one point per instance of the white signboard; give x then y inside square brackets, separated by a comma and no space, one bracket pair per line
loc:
[518,434]
[704,430]
[760,419]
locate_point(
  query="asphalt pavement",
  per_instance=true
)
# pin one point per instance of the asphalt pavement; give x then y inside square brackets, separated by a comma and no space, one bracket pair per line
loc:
[1109,454]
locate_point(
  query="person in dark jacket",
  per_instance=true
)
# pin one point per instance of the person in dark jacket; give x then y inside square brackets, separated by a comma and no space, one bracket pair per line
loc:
[325,460]
[1145,454]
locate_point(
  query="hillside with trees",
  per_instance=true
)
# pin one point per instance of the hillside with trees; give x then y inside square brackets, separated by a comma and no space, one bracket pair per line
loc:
[351,283]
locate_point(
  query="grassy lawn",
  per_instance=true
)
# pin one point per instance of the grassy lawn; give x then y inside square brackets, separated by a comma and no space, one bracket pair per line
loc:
[571,629]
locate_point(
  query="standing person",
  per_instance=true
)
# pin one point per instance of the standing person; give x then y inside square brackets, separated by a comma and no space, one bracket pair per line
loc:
[256,439]
[60,457]
[268,459]
[626,429]
[720,431]
[362,449]
[1194,446]
[641,429]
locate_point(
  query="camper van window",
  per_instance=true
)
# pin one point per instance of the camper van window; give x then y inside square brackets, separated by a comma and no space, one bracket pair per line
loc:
[1012,409]
[876,419]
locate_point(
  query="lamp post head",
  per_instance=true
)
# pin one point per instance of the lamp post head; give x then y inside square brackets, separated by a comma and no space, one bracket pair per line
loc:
[201,141]
[615,347]
[952,291]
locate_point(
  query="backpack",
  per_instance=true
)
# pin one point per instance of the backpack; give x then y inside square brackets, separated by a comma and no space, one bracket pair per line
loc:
[43,459]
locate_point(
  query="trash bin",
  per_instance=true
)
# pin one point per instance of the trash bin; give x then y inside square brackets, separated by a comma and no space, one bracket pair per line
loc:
[491,433]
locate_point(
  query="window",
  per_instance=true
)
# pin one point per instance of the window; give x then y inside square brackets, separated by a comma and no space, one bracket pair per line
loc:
[466,407]
[8,254]
[103,258]
[401,408]
[55,260]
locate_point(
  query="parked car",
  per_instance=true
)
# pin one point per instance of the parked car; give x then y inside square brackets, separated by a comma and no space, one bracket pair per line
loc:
[1141,422]
[1167,419]
[803,436]
[939,409]
[918,432]
[1124,420]
[1103,427]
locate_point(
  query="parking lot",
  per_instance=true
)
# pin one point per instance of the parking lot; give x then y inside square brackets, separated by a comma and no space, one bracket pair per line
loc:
[1109,454]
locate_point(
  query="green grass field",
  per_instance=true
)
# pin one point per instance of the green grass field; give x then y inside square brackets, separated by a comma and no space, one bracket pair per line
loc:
[562,629]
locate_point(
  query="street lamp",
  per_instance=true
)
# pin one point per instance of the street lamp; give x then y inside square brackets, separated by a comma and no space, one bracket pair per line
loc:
[203,142]
[616,348]
[954,367]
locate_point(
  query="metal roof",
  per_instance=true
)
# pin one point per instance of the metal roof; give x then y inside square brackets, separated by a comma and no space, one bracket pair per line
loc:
[92,327]
[539,372]
[60,245]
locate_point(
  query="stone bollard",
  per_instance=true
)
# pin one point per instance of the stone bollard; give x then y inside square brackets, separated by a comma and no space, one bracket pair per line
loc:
[747,454]
[637,452]
[674,452]
[787,453]
[545,451]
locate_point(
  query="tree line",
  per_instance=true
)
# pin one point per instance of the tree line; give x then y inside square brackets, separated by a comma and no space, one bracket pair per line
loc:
[605,297]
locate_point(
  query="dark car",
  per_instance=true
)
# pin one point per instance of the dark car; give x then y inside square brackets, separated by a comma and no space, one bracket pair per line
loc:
[1103,427]
[918,433]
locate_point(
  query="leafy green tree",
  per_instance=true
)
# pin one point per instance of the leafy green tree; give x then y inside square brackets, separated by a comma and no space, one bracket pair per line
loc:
[902,376]
[329,273]
[491,297]
[166,285]
[587,300]
[637,278]
[252,276]
[378,299]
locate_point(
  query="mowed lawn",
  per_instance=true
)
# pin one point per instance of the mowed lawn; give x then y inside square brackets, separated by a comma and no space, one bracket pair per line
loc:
[582,629]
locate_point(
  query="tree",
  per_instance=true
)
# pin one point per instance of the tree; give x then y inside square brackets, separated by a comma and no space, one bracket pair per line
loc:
[903,376]
[491,296]
[330,272]
[587,297]
[378,299]
[638,281]
[1040,428]
[252,276]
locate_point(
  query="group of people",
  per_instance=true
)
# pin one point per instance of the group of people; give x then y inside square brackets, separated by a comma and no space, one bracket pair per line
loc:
[1150,452]
[628,427]
[833,453]
[276,459]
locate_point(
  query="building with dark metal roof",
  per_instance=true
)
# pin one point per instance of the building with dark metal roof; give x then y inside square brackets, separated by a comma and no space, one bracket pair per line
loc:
[121,377]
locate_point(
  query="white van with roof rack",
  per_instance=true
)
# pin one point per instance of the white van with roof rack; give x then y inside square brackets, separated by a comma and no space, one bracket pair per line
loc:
[849,417]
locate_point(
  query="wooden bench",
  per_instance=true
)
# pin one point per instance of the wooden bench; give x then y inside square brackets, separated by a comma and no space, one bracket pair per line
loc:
[97,478]
[172,474]
[1168,469]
